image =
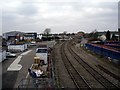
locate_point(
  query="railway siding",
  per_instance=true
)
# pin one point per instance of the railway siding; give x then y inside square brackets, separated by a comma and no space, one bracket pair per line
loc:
[106,83]
[87,76]
[61,74]
[76,77]
[94,62]
[73,67]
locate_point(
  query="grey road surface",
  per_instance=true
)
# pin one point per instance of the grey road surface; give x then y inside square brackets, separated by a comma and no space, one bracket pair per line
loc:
[11,79]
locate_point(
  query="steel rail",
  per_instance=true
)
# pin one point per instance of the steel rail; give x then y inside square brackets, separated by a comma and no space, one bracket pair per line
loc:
[78,80]
[101,79]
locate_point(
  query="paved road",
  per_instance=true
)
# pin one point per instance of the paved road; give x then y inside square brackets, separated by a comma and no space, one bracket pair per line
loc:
[8,78]
[11,79]
[26,63]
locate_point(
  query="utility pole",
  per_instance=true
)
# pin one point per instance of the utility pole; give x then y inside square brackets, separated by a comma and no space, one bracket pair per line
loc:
[119,21]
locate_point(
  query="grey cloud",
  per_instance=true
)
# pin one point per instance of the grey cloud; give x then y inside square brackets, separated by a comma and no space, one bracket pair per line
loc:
[22,18]
[27,9]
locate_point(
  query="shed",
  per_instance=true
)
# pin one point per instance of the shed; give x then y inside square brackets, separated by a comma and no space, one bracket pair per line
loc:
[17,47]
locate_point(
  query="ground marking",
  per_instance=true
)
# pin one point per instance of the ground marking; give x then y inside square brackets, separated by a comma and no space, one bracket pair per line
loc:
[15,66]
[28,72]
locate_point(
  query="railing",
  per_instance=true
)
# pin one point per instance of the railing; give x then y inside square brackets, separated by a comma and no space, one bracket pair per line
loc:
[32,83]
[117,46]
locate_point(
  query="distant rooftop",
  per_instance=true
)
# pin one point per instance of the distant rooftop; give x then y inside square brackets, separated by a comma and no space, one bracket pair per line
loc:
[12,33]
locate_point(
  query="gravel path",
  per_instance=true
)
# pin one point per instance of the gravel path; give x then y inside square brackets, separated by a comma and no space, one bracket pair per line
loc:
[62,76]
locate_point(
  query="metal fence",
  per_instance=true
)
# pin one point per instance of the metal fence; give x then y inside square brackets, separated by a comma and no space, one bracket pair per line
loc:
[114,46]
[104,51]
[35,83]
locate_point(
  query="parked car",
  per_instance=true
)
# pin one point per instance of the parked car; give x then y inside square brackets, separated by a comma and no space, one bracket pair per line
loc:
[9,54]
[33,43]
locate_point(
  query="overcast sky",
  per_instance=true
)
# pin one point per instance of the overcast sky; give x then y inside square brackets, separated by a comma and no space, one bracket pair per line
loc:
[59,15]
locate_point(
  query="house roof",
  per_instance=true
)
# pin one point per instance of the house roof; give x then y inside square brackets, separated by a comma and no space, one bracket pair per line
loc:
[13,33]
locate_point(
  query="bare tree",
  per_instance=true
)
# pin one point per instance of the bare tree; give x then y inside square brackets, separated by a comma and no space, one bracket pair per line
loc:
[47,31]
[65,32]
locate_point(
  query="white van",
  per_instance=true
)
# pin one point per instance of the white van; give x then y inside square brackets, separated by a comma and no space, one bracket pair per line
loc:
[42,52]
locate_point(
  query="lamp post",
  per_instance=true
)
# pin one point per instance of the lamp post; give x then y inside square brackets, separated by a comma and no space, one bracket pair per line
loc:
[15,41]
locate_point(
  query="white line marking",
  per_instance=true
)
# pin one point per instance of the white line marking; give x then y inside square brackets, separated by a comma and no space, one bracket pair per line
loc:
[15,66]
[28,72]
[17,60]
[26,52]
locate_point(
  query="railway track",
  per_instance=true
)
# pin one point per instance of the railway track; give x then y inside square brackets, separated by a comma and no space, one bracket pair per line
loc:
[108,72]
[101,79]
[78,80]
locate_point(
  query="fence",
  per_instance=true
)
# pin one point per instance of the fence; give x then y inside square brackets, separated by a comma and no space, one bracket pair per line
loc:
[117,46]
[104,51]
